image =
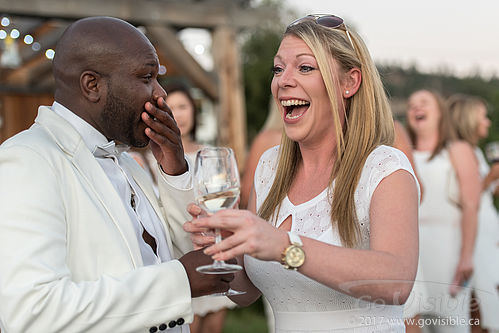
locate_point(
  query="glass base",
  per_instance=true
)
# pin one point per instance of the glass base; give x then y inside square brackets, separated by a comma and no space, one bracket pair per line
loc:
[230,292]
[219,267]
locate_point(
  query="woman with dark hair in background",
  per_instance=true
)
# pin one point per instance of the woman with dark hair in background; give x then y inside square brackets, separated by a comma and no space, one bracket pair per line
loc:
[209,312]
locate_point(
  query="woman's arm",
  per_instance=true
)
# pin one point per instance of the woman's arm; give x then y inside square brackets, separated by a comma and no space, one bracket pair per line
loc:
[386,271]
[466,166]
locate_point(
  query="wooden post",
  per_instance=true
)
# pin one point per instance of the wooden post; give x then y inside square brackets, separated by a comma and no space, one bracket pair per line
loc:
[231,115]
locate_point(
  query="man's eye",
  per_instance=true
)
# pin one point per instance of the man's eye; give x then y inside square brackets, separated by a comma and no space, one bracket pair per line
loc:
[147,77]
[276,70]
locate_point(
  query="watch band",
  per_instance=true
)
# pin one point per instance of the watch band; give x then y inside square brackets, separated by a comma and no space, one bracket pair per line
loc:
[295,239]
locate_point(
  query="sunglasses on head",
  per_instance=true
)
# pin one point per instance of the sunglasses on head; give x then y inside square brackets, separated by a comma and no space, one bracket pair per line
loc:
[326,20]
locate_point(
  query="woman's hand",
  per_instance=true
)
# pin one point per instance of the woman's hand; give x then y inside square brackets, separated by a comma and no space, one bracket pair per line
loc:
[463,274]
[200,237]
[244,233]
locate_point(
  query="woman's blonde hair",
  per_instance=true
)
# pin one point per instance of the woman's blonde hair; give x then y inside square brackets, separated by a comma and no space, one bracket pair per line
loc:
[446,133]
[463,114]
[368,124]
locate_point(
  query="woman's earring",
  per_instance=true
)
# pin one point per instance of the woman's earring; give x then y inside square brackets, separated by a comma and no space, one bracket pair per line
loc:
[347,92]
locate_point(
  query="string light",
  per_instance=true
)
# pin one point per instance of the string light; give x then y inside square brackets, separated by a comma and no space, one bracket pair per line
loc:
[5,21]
[199,49]
[50,54]
[3,34]
[28,39]
[36,46]
[14,33]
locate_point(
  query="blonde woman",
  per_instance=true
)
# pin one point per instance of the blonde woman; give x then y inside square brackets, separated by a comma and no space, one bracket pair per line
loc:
[334,198]
[448,215]
[469,118]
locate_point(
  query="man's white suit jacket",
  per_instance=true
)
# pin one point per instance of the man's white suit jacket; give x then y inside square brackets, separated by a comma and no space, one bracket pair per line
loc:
[69,257]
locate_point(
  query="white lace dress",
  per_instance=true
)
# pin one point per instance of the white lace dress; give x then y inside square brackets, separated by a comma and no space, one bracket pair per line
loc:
[299,303]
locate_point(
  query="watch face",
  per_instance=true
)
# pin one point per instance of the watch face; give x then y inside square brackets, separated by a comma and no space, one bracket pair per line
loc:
[295,256]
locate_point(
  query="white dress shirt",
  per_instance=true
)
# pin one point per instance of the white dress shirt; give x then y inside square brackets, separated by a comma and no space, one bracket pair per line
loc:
[142,214]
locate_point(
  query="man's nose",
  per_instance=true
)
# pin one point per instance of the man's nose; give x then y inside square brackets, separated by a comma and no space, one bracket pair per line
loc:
[158,91]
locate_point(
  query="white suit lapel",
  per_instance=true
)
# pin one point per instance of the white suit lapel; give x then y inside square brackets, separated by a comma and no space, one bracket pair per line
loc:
[144,183]
[89,169]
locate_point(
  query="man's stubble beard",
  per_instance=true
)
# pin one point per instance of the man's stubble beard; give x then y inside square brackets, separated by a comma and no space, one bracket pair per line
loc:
[120,121]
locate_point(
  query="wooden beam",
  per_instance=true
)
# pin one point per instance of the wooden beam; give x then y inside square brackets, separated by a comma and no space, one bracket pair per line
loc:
[231,115]
[181,13]
[26,74]
[165,38]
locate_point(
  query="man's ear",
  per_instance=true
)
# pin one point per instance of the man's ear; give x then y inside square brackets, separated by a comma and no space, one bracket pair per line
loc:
[92,86]
[351,82]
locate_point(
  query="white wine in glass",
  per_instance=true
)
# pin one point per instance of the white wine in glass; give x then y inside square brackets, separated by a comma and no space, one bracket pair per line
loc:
[216,186]
[492,151]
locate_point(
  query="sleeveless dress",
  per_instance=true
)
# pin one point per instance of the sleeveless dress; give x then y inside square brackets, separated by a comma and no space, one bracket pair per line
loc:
[486,256]
[439,242]
[299,303]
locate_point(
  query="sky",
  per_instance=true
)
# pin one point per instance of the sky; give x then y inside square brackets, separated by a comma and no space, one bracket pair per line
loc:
[457,36]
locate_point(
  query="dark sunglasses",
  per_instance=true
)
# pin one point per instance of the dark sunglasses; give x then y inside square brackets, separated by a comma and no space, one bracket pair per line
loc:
[326,20]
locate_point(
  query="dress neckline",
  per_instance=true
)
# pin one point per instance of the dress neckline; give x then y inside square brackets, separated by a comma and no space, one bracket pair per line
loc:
[310,202]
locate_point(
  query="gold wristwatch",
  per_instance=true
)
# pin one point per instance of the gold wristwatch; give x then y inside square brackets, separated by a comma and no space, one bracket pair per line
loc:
[293,256]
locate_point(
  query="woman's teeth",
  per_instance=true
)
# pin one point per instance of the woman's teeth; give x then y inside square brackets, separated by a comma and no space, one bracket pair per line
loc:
[294,108]
[293,102]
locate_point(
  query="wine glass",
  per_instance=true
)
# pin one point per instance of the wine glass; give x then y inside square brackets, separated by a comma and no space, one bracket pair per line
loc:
[492,151]
[216,187]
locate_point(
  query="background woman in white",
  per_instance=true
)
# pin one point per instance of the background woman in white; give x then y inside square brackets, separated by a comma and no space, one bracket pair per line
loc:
[469,119]
[448,171]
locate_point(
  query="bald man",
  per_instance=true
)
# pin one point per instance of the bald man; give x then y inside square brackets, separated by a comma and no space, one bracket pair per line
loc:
[85,245]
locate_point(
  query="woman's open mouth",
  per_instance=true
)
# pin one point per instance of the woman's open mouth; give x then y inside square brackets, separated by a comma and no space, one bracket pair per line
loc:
[294,108]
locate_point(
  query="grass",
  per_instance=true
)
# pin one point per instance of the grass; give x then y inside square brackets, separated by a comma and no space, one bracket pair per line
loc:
[246,320]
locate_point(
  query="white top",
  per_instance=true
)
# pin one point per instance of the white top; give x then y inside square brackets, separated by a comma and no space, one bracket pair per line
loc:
[441,189]
[293,295]
[440,236]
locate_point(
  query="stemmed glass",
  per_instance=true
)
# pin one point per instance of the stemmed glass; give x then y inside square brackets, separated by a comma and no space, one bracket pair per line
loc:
[492,152]
[216,187]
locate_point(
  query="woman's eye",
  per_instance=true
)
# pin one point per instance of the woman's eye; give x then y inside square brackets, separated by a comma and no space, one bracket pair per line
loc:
[147,77]
[306,69]
[276,70]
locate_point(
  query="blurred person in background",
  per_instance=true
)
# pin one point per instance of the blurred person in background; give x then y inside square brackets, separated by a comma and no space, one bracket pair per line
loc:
[185,111]
[327,241]
[269,136]
[448,214]
[209,311]
[469,119]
